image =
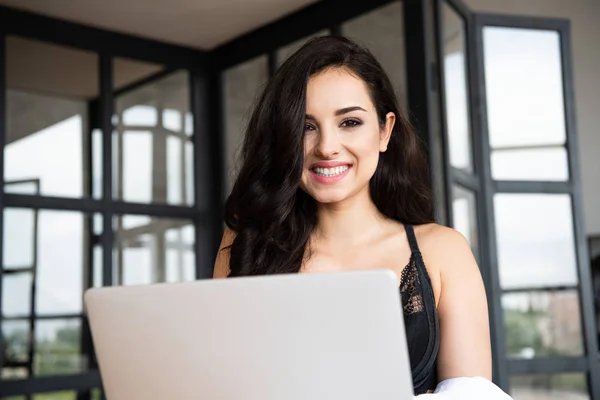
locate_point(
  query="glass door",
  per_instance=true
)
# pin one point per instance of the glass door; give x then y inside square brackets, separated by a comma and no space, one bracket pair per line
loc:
[515,189]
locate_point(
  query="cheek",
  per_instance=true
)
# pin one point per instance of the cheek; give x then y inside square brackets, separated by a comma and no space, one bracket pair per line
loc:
[367,148]
[308,149]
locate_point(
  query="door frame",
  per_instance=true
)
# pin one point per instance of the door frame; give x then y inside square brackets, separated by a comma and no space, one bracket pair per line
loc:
[485,187]
[475,182]
[588,363]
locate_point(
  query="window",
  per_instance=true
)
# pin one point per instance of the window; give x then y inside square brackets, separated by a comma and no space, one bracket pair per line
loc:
[242,85]
[54,212]
[153,151]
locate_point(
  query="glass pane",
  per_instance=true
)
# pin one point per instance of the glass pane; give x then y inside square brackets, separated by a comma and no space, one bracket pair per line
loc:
[535,240]
[27,186]
[550,387]
[150,157]
[15,345]
[180,260]
[60,262]
[19,246]
[464,210]
[97,273]
[58,347]
[523,76]
[541,164]
[159,250]
[97,163]
[133,221]
[49,90]
[140,116]
[542,324]
[97,224]
[128,72]
[137,170]
[188,163]
[16,373]
[175,178]
[456,89]
[16,294]
[286,51]
[55,396]
[242,85]
[96,394]
[93,275]
[382,32]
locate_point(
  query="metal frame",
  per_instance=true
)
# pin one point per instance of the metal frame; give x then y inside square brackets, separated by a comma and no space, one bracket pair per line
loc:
[2,141]
[313,18]
[589,363]
[31,317]
[83,37]
[485,187]
[207,169]
[475,182]
[420,69]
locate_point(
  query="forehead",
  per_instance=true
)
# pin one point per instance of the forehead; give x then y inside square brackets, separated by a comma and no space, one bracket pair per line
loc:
[336,88]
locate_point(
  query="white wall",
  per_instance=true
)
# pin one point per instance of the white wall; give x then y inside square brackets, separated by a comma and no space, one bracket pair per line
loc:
[585,37]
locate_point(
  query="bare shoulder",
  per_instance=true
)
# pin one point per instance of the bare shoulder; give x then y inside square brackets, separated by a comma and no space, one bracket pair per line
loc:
[435,239]
[446,254]
[221,269]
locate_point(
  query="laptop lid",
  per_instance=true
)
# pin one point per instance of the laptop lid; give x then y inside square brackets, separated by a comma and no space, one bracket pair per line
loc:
[292,337]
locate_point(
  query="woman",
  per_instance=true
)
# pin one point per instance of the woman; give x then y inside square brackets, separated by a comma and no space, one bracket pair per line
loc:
[332,178]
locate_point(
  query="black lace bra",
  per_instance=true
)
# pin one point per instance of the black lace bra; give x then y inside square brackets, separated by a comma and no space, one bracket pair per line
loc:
[420,318]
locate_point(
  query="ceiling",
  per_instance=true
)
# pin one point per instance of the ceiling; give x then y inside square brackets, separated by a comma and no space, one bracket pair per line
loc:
[200,24]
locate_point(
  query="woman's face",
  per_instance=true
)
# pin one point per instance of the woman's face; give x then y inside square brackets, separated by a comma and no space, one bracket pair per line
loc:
[343,137]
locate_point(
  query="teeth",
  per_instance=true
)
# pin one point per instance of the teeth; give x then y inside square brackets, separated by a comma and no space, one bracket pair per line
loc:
[330,171]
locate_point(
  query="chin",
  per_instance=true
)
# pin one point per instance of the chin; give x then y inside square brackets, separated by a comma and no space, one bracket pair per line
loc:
[328,196]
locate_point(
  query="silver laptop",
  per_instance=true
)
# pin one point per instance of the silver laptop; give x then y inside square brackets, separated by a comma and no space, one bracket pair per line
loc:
[286,337]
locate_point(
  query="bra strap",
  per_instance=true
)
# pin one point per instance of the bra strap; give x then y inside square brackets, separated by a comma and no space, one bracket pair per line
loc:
[423,369]
[412,239]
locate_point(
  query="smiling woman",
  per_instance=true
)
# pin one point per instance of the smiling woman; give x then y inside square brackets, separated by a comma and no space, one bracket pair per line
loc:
[332,178]
[343,115]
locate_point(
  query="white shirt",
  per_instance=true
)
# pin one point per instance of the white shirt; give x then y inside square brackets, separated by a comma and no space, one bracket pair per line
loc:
[475,388]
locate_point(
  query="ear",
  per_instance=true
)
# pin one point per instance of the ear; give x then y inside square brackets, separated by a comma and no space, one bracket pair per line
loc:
[386,131]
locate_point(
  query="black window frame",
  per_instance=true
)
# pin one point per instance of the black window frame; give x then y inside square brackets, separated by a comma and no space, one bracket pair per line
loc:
[485,187]
[206,170]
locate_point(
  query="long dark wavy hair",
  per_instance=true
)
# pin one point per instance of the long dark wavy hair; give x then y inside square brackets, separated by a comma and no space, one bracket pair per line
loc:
[272,217]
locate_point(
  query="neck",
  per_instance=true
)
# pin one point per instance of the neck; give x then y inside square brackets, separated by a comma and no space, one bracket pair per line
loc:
[354,220]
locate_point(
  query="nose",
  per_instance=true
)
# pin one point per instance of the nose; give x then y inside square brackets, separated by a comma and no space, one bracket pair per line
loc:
[328,145]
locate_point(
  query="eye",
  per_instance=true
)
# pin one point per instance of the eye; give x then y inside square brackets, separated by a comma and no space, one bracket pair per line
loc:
[351,123]
[308,128]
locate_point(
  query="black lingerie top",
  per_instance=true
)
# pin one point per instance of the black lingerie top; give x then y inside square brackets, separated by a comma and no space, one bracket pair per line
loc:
[420,319]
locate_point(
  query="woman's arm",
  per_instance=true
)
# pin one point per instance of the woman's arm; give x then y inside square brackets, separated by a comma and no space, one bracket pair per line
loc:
[221,269]
[465,349]
[465,359]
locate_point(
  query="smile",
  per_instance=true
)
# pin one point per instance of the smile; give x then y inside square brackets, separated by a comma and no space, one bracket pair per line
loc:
[330,171]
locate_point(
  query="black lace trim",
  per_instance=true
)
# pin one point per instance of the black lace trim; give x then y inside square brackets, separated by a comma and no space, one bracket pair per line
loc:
[410,289]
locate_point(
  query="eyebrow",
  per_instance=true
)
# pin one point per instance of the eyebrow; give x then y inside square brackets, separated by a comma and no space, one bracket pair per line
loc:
[341,111]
